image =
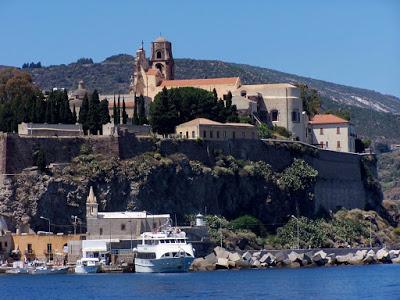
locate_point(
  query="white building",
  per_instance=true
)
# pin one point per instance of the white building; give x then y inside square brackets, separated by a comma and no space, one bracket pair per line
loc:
[331,132]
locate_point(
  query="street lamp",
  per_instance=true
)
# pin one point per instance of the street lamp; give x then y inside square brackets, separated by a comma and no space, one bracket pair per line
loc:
[130,225]
[298,231]
[75,222]
[43,218]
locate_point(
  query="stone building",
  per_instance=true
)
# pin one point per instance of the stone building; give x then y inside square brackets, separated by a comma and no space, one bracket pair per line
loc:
[119,226]
[331,132]
[76,97]
[44,129]
[211,130]
[279,103]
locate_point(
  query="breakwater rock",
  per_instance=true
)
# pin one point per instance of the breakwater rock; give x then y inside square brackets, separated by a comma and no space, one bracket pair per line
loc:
[223,259]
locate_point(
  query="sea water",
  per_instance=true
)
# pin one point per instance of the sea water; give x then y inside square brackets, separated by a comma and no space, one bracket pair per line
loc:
[348,282]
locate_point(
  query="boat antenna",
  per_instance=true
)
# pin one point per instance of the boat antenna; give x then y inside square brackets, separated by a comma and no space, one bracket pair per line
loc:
[176,223]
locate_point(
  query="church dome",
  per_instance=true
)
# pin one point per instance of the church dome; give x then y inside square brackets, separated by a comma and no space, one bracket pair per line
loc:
[161,39]
[80,92]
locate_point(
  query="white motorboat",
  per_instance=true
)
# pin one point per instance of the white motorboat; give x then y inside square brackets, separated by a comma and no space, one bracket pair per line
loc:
[19,267]
[44,270]
[87,265]
[165,251]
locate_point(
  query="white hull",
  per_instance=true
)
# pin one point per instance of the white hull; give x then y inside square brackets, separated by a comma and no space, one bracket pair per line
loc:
[163,265]
[86,269]
[49,271]
[18,271]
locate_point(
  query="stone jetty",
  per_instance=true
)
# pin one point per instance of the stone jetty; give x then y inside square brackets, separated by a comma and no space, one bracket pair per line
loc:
[223,259]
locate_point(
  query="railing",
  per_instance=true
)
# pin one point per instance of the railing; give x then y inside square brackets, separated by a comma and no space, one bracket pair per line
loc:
[121,251]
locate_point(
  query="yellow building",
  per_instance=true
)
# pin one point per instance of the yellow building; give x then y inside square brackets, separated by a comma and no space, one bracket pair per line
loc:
[46,247]
[211,130]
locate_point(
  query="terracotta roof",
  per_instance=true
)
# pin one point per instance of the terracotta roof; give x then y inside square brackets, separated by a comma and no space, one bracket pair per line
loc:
[327,119]
[152,72]
[197,82]
[204,121]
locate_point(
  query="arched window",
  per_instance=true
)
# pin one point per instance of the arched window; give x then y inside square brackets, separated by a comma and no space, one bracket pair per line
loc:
[274,115]
[158,54]
[243,93]
[160,67]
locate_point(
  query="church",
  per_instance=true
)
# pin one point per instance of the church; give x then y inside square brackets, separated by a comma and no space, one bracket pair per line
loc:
[278,104]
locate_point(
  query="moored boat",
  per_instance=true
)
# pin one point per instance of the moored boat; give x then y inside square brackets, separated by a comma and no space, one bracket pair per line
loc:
[166,251]
[87,265]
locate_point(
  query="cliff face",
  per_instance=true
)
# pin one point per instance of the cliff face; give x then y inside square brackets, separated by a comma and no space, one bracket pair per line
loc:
[186,177]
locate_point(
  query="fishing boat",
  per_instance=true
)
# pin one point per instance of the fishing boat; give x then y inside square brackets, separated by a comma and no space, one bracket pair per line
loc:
[18,268]
[87,265]
[48,270]
[165,251]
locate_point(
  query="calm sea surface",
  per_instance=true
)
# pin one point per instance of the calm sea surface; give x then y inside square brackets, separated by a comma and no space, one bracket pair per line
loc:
[363,282]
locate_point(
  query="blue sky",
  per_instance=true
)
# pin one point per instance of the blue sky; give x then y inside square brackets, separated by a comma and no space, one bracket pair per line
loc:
[355,42]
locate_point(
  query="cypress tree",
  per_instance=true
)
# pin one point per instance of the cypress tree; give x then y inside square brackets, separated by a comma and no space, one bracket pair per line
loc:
[104,112]
[228,100]
[124,114]
[115,112]
[135,119]
[119,111]
[74,118]
[93,113]
[142,111]
[83,113]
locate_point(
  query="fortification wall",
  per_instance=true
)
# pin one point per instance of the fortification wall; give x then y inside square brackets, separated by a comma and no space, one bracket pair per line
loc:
[340,182]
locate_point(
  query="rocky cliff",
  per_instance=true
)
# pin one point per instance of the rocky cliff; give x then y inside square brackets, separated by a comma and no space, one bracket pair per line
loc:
[185,177]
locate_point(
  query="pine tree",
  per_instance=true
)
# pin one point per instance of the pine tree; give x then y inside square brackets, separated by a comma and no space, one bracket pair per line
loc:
[83,113]
[135,119]
[74,117]
[124,114]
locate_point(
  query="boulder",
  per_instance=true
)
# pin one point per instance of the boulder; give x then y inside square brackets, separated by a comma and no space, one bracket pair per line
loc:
[256,264]
[234,257]
[294,264]
[257,254]
[200,264]
[242,264]
[268,259]
[231,264]
[383,255]
[370,257]
[211,258]
[280,257]
[222,263]
[396,260]
[221,252]
[344,259]
[247,256]
[295,257]
[361,253]
[308,257]
[394,253]
[319,258]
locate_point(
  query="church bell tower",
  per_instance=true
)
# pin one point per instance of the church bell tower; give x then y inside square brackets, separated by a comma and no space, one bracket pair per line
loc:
[161,58]
[91,205]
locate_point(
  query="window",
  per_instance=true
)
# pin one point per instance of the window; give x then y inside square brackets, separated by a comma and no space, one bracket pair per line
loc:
[321,145]
[337,130]
[101,231]
[326,144]
[187,134]
[338,144]
[295,116]
[217,134]
[193,134]
[321,131]
[29,246]
[49,248]
[243,93]
[158,54]
[204,134]
[274,115]
[211,134]
[5,244]
[148,255]
[122,227]
[180,134]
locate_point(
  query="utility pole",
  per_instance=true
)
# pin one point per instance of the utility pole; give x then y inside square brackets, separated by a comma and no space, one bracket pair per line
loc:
[130,225]
[43,218]
[75,222]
